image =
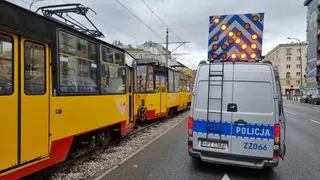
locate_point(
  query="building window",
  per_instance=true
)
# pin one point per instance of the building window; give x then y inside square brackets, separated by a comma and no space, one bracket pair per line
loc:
[288,82]
[288,66]
[77,64]
[298,81]
[6,65]
[298,73]
[34,68]
[288,50]
[288,58]
[298,65]
[288,75]
[298,58]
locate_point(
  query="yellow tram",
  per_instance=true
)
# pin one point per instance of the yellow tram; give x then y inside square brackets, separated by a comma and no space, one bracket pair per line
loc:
[160,90]
[60,87]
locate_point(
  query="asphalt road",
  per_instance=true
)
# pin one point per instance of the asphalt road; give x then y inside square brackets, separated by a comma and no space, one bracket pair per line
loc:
[167,157]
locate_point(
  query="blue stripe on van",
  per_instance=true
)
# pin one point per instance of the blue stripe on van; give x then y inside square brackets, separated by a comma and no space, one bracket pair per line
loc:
[227,129]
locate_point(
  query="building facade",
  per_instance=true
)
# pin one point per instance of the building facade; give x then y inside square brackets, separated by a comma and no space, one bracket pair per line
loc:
[286,57]
[313,50]
[150,50]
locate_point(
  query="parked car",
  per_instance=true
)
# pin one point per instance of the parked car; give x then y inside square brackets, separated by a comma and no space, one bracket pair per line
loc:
[315,101]
[306,99]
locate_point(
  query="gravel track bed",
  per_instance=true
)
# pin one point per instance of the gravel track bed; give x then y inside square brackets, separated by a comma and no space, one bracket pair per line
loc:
[113,155]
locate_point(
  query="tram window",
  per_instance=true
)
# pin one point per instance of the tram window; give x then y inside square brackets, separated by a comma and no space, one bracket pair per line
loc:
[158,83]
[171,83]
[164,83]
[183,83]
[6,65]
[141,78]
[34,68]
[150,82]
[78,67]
[107,54]
[176,82]
[113,79]
[119,58]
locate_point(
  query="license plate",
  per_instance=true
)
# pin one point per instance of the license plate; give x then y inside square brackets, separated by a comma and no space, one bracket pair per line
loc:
[214,145]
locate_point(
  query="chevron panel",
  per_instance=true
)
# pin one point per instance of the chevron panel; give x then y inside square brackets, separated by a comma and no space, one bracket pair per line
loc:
[235,37]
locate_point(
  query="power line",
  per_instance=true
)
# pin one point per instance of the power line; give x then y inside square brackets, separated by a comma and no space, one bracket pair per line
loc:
[108,24]
[162,21]
[133,14]
[113,26]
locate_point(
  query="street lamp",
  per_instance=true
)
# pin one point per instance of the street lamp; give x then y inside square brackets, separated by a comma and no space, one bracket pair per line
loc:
[300,50]
[33,2]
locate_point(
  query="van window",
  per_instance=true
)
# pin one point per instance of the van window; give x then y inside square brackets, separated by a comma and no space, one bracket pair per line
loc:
[254,97]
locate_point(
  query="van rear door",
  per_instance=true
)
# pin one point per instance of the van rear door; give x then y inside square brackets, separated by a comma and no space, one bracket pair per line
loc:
[212,130]
[254,118]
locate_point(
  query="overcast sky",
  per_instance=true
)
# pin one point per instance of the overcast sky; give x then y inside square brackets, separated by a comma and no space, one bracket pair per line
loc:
[188,19]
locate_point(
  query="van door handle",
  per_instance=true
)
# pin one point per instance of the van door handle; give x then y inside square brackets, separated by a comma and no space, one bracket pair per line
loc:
[232,107]
[240,121]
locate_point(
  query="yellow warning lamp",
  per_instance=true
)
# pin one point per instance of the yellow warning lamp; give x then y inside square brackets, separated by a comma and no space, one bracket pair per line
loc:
[244,46]
[239,33]
[238,41]
[214,56]
[233,56]
[247,26]
[214,46]
[230,40]
[253,46]
[254,37]
[224,47]
[223,27]
[243,55]
[253,55]
[230,33]
[224,56]
[215,38]
[216,20]
[255,18]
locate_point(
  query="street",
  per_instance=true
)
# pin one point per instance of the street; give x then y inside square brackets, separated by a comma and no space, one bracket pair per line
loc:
[167,157]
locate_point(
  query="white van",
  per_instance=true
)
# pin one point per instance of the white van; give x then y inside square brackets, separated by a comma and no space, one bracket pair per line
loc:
[237,115]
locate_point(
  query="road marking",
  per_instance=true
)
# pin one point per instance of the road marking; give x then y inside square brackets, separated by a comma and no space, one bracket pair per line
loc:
[306,108]
[290,112]
[225,177]
[143,147]
[315,121]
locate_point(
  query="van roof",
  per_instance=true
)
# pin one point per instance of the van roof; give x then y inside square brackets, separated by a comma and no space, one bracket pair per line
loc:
[239,71]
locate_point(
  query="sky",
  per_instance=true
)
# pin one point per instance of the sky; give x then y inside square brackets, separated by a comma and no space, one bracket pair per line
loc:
[188,20]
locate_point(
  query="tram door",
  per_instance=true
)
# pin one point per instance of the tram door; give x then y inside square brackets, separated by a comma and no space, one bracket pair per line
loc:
[163,95]
[34,100]
[130,80]
[24,97]
[8,101]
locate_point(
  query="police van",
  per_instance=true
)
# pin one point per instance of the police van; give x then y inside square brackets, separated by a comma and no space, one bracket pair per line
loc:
[237,115]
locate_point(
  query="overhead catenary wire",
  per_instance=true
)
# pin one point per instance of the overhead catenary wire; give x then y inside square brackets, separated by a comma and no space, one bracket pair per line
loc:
[163,22]
[138,18]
